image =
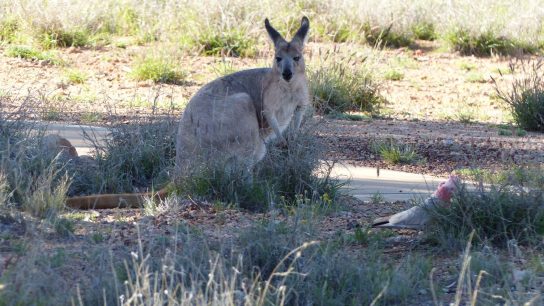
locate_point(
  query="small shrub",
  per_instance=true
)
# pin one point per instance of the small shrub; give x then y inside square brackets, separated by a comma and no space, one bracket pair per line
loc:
[393,75]
[486,277]
[36,180]
[484,44]
[394,152]
[465,116]
[343,85]
[505,132]
[475,77]
[51,113]
[467,66]
[226,43]
[512,131]
[499,214]
[521,132]
[337,31]
[526,97]
[64,227]
[47,195]
[424,31]
[31,54]
[159,70]
[226,181]
[74,76]
[136,155]
[91,117]
[127,21]
[377,197]
[375,36]
[52,38]
[8,29]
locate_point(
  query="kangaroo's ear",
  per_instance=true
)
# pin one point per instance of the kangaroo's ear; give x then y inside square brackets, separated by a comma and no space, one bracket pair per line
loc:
[302,32]
[274,35]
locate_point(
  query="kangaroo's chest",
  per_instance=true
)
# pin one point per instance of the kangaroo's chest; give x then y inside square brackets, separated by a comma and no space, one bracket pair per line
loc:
[282,102]
[288,103]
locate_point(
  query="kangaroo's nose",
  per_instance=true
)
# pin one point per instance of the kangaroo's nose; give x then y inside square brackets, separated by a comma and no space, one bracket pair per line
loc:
[287,75]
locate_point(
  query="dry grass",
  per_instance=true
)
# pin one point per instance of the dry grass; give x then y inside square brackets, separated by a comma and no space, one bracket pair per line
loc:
[218,28]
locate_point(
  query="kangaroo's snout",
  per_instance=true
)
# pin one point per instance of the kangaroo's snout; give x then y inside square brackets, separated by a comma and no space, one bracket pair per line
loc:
[287,75]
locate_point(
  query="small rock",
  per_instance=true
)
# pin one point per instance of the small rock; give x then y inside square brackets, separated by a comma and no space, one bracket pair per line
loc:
[55,144]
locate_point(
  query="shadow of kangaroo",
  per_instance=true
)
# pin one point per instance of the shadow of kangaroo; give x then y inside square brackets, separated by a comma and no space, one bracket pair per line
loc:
[233,117]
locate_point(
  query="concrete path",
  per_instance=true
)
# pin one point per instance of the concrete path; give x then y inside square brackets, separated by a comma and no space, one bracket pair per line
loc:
[364,183]
[74,133]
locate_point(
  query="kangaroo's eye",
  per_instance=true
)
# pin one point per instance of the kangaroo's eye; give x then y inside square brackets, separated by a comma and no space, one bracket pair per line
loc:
[296,58]
[278,59]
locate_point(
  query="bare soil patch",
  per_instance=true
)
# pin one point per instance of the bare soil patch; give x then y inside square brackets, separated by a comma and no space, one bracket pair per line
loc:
[443,146]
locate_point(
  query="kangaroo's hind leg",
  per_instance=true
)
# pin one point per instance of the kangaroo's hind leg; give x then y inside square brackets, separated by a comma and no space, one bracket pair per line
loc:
[214,131]
[244,140]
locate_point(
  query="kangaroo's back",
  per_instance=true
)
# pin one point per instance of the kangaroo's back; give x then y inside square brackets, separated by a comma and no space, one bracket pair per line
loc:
[250,82]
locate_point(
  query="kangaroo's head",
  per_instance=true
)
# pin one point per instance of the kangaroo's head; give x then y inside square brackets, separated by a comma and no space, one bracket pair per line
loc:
[289,60]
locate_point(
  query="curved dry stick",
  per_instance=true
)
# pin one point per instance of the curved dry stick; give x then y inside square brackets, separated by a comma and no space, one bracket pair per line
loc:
[108,201]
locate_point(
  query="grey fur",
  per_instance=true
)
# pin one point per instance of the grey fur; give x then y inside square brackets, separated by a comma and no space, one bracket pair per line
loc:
[235,116]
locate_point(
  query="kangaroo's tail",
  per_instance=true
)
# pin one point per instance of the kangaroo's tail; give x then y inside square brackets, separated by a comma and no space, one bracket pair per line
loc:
[124,200]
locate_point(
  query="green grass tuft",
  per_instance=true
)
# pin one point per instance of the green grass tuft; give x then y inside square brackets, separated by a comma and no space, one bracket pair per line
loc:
[8,29]
[424,31]
[393,75]
[485,44]
[32,54]
[509,131]
[475,77]
[137,155]
[497,214]
[159,70]
[74,76]
[226,43]
[526,97]
[344,85]
[52,38]
[387,37]
[394,152]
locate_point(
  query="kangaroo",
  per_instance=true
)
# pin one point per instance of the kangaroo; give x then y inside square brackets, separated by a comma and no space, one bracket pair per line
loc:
[234,116]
